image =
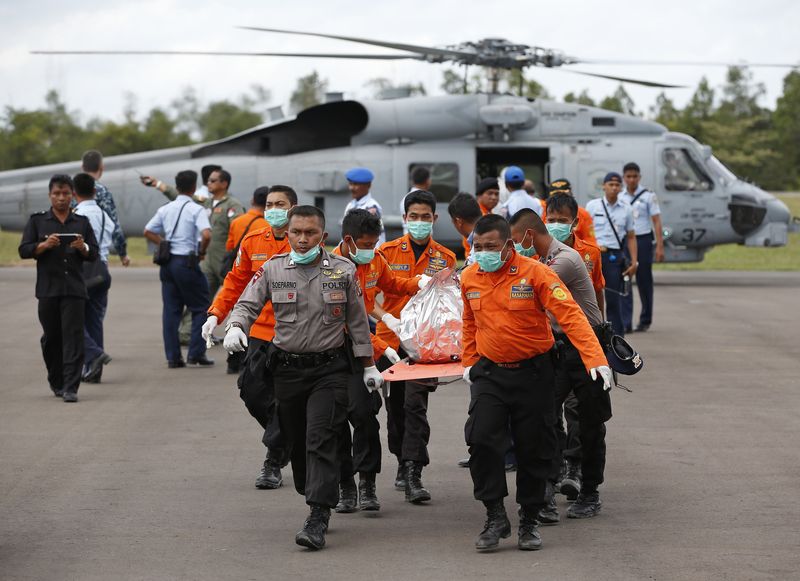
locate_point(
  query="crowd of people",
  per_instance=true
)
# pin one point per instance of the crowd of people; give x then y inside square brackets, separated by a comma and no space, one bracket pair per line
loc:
[310,329]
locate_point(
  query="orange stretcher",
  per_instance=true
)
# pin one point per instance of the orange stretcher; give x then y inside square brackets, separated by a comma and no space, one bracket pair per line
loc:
[409,371]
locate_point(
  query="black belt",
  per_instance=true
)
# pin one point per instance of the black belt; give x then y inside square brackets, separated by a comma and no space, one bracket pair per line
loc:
[308,359]
[534,361]
[602,332]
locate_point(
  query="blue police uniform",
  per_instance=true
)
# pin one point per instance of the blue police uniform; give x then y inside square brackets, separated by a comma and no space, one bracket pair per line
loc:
[644,208]
[613,254]
[182,282]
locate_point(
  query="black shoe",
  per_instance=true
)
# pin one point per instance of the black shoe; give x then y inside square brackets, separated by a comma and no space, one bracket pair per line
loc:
[400,479]
[549,514]
[642,328]
[415,491]
[587,506]
[628,330]
[562,472]
[529,538]
[496,527]
[313,533]
[57,392]
[464,462]
[176,364]
[367,497]
[95,371]
[348,497]
[571,484]
[70,397]
[270,477]
[200,361]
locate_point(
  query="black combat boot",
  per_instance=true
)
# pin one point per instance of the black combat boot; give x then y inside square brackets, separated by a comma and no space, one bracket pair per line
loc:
[549,514]
[529,538]
[348,496]
[571,484]
[562,472]
[313,533]
[270,476]
[400,479]
[415,492]
[367,498]
[586,506]
[496,527]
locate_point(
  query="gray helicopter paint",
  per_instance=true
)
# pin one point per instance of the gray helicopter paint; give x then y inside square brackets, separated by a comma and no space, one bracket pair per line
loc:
[581,144]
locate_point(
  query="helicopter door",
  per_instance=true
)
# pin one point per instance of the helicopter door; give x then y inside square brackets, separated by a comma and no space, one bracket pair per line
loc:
[534,161]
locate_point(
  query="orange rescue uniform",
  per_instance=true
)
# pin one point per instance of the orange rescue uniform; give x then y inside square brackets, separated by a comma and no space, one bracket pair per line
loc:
[378,277]
[241,223]
[484,209]
[590,254]
[256,248]
[400,256]
[504,314]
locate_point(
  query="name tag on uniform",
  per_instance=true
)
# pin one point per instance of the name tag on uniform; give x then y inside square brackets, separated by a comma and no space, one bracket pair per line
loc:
[284,297]
[474,295]
[283,284]
[258,257]
[399,267]
[521,291]
[335,297]
[371,284]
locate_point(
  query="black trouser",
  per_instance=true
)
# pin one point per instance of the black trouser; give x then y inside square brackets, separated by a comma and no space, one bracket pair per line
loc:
[62,341]
[524,399]
[594,409]
[360,452]
[407,417]
[257,390]
[94,315]
[312,408]
[572,450]
[644,283]
[612,272]
[183,285]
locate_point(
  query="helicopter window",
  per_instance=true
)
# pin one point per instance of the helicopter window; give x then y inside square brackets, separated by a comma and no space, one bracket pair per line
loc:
[444,179]
[682,173]
[721,169]
[603,122]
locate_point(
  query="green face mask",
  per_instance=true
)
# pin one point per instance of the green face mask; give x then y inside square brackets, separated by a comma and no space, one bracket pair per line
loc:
[419,230]
[559,231]
[276,217]
[522,251]
[489,260]
[307,258]
[362,255]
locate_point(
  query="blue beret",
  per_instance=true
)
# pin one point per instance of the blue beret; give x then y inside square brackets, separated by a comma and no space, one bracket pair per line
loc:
[359,175]
[514,174]
[612,175]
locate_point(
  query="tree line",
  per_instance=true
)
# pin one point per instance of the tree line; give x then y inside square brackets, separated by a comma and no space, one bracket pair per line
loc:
[757,143]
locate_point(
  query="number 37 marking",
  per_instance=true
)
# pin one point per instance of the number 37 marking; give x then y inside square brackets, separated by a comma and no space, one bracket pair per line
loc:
[693,234]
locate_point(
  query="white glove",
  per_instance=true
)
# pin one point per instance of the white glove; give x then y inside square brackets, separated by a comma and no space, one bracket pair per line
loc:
[466,378]
[392,355]
[605,373]
[392,322]
[372,378]
[235,340]
[208,329]
[424,279]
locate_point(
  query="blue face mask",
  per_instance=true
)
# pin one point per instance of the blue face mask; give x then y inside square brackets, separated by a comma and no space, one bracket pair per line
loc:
[307,258]
[362,255]
[419,230]
[276,217]
[522,251]
[559,231]
[489,260]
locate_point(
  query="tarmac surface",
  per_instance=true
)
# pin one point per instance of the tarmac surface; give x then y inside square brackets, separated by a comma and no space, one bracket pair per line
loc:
[151,475]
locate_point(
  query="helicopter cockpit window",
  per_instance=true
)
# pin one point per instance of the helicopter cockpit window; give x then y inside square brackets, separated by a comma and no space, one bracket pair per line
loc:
[682,173]
[444,179]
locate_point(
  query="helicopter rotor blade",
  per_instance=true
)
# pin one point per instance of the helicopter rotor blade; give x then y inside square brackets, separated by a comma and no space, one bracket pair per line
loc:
[624,79]
[426,50]
[682,63]
[212,53]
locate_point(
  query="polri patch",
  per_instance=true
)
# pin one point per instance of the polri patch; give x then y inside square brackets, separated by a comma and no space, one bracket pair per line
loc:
[521,291]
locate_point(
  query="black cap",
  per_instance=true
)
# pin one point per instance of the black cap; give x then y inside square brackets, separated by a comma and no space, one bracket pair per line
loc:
[623,358]
[487,184]
[560,185]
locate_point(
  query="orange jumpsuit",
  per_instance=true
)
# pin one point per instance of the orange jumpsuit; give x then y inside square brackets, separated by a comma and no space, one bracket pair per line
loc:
[591,257]
[400,256]
[377,277]
[484,209]
[241,223]
[504,314]
[256,248]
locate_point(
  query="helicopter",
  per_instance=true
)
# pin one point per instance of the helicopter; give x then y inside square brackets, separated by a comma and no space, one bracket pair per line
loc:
[460,139]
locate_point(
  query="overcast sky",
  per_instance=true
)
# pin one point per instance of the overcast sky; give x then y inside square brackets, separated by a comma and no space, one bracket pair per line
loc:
[718,30]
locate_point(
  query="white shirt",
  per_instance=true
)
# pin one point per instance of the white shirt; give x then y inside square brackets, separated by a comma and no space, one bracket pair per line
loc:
[102,232]
[202,193]
[621,215]
[372,206]
[519,199]
[644,209]
[193,221]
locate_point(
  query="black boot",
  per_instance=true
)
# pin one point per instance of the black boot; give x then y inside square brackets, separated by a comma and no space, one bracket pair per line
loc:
[497,526]
[348,496]
[314,529]
[415,492]
[586,506]
[529,538]
[367,497]
[562,472]
[571,484]
[549,514]
[400,479]
[270,476]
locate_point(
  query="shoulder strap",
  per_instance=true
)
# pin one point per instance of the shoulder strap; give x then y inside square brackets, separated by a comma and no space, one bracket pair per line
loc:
[175,227]
[639,195]
[102,229]
[238,244]
[613,228]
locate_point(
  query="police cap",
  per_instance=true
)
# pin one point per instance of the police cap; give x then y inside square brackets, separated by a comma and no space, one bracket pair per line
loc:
[611,176]
[560,186]
[623,358]
[487,184]
[359,175]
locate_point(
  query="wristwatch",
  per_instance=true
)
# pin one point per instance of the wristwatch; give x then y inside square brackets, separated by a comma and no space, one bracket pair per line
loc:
[233,324]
